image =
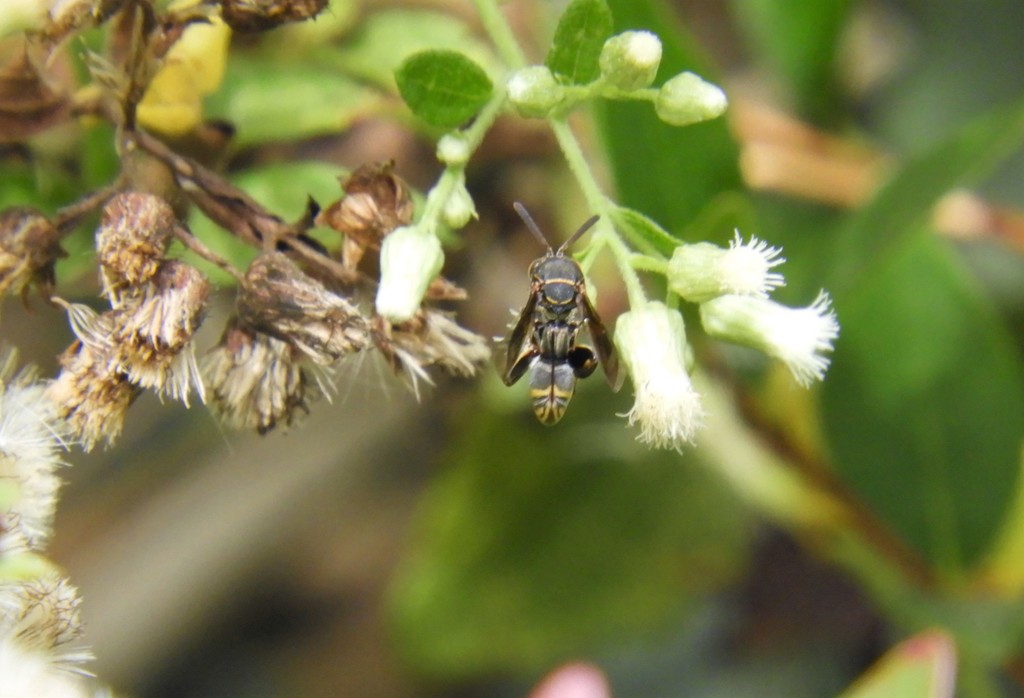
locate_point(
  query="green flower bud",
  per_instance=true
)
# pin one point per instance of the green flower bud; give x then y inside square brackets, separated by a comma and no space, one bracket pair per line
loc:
[534,91]
[453,150]
[630,60]
[410,258]
[688,99]
[459,208]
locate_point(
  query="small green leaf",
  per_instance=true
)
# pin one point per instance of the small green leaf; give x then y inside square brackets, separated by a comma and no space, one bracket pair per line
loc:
[643,232]
[582,30]
[444,88]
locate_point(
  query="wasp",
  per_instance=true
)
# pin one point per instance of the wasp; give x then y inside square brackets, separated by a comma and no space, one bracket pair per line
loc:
[544,343]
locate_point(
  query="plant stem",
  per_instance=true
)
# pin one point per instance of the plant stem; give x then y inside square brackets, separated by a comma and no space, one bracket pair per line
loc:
[501,33]
[598,203]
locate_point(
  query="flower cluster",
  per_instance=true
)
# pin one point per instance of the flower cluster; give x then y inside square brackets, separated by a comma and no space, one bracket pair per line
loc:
[731,286]
[628,66]
[145,339]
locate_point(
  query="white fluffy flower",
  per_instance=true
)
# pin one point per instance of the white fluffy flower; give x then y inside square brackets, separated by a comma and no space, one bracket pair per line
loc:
[652,343]
[30,445]
[410,259]
[704,271]
[797,336]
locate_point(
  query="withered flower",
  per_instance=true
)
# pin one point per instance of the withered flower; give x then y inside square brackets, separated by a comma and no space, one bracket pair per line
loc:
[29,248]
[29,103]
[90,395]
[42,612]
[152,332]
[278,298]
[260,15]
[132,239]
[255,381]
[376,201]
[430,338]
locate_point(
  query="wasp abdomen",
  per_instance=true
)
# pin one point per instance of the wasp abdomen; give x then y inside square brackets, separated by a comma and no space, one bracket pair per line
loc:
[552,384]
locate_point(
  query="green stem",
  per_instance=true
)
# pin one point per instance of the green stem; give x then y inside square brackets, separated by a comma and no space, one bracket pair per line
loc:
[605,234]
[501,33]
[643,262]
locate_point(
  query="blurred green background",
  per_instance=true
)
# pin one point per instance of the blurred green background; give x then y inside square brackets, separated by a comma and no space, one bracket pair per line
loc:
[455,547]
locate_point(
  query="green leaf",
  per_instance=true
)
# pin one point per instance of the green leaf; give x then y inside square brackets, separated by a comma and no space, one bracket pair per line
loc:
[800,39]
[582,30]
[922,667]
[444,88]
[669,173]
[536,545]
[386,37]
[924,403]
[643,233]
[905,203]
[271,99]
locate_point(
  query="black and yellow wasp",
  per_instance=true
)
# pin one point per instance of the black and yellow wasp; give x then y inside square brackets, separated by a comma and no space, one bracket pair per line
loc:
[543,341]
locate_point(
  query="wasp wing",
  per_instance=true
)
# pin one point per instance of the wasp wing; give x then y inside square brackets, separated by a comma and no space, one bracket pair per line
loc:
[518,343]
[603,346]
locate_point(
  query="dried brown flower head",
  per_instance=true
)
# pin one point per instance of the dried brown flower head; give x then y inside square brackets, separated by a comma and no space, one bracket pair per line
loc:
[152,331]
[29,103]
[260,15]
[376,201]
[255,381]
[430,338]
[29,248]
[279,299]
[132,239]
[91,396]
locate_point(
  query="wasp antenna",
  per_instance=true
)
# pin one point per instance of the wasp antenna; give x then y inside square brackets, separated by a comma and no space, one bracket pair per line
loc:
[587,225]
[528,219]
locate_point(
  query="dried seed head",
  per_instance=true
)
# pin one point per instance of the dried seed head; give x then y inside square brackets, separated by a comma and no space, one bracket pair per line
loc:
[430,338]
[132,239]
[260,15]
[255,381]
[376,201]
[278,298]
[43,613]
[29,248]
[153,329]
[90,395]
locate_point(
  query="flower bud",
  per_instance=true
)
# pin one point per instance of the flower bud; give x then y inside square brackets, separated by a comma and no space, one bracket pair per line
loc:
[630,60]
[459,208]
[453,150]
[410,258]
[534,91]
[688,99]
[704,271]
[652,343]
[796,336]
